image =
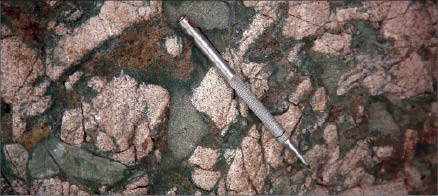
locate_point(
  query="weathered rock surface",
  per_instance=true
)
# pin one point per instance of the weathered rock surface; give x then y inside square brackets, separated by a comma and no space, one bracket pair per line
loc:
[184,135]
[78,163]
[41,165]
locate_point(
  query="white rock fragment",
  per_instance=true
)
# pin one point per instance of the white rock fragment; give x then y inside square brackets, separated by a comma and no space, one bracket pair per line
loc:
[259,3]
[20,69]
[128,113]
[409,144]
[114,16]
[343,15]
[20,187]
[104,142]
[319,100]
[18,156]
[292,57]
[290,119]
[376,81]
[126,157]
[358,176]
[173,46]
[315,155]
[237,178]
[72,129]
[306,19]
[75,15]
[73,79]
[384,152]
[253,159]
[257,77]
[172,191]
[412,77]
[205,179]
[333,44]
[137,186]
[204,157]
[358,153]
[97,83]
[215,98]
[349,81]
[229,155]
[157,154]
[221,189]
[396,187]
[331,138]
[54,186]
[271,149]
[302,90]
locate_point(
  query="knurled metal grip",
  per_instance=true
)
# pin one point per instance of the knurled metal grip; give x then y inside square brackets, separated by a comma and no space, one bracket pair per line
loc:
[258,108]
[238,85]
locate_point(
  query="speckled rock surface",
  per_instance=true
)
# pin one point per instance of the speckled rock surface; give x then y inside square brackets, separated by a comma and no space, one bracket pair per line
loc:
[111,97]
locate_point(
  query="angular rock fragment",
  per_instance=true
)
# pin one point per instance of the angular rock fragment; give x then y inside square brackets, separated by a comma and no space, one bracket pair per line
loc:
[20,187]
[331,138]
[113,18]
[343,15]
[129,113]
[215,98]
[173,46]
[290,119]
[358,153]
[54,186]
[17,156]
[315,155]
[72,129]
[137,187]
[302,90]
[204,157]
[126,157]
[73,79]
[396,187]
[19,71]
[104,142]
[253,159]
[237,181]
[333,44]
[306,19]
[412,77]
[384,152]
[319,100]
[271,149]
[205,179]
[409,145]
[358,176]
